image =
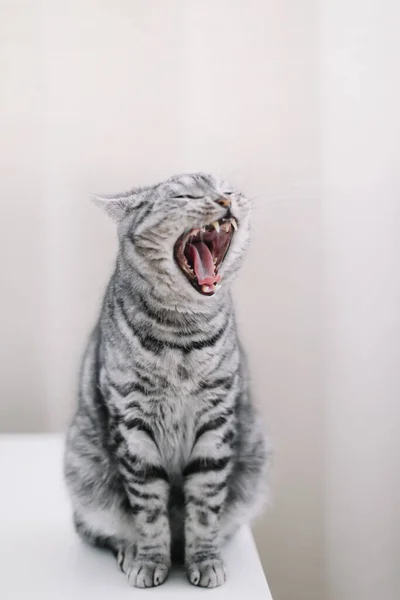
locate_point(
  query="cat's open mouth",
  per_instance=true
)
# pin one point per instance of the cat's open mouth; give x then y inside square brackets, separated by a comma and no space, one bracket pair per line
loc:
[200,253]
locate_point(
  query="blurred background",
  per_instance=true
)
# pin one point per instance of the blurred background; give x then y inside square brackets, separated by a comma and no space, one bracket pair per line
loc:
[298,104]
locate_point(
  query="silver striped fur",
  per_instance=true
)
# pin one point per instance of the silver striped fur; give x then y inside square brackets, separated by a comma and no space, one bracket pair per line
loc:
[166,456]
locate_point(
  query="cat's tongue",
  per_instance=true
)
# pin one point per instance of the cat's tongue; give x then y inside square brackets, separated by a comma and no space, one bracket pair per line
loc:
[203,264]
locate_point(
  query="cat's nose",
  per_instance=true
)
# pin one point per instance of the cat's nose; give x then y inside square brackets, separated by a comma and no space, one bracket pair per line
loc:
[224,202]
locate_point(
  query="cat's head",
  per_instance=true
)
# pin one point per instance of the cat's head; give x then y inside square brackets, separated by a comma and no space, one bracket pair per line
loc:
[186,236]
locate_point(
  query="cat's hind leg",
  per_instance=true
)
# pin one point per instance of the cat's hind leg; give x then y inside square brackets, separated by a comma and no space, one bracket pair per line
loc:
[124,550]
[100,506]
[97,538]
[105,515]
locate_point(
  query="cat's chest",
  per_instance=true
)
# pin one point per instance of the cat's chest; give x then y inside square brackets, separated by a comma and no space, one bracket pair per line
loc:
[171,412]
[172,407]
[183,371]
[174,427]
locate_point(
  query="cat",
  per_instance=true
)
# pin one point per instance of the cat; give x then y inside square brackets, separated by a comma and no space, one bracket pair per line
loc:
[166,454]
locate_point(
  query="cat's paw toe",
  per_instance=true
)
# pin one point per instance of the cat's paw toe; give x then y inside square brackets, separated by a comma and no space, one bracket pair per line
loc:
[147,574]
[208,573]
[125,558]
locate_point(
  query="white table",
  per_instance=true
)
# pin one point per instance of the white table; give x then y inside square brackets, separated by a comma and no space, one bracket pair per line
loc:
[42,558]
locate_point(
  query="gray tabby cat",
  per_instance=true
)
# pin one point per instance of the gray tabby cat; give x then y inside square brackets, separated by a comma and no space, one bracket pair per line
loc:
[166,456]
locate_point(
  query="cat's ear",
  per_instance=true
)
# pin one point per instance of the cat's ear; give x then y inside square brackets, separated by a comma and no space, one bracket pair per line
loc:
[118,206]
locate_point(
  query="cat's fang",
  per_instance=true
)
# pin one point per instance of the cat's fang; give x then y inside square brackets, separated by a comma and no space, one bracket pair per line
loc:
[234,224]
[206,289]
[215,224]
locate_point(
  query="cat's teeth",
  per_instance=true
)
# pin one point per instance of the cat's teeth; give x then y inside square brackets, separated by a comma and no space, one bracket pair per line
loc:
[195,231]
[234,224]
[226,226]
[203,229]
[215,224]
[207,288]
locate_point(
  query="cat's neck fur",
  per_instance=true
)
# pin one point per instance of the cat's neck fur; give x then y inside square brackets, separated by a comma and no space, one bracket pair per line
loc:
[137,290]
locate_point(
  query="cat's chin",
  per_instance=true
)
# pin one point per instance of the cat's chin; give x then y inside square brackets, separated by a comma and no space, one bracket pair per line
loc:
[200,253]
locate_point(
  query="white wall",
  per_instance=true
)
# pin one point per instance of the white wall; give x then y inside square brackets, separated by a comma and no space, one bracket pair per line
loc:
[360,94]
[101,96]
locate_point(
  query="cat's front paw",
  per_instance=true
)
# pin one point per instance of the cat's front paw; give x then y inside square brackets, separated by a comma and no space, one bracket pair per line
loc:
[147,574]
[141,573]
[207,573]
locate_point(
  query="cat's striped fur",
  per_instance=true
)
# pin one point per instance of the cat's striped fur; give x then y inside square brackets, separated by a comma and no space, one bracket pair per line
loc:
[165,455]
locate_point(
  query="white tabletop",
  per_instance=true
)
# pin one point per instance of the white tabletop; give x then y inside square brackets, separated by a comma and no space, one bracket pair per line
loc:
[41,556]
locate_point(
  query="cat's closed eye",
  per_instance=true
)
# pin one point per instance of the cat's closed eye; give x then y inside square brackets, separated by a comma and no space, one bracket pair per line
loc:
[197,197]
